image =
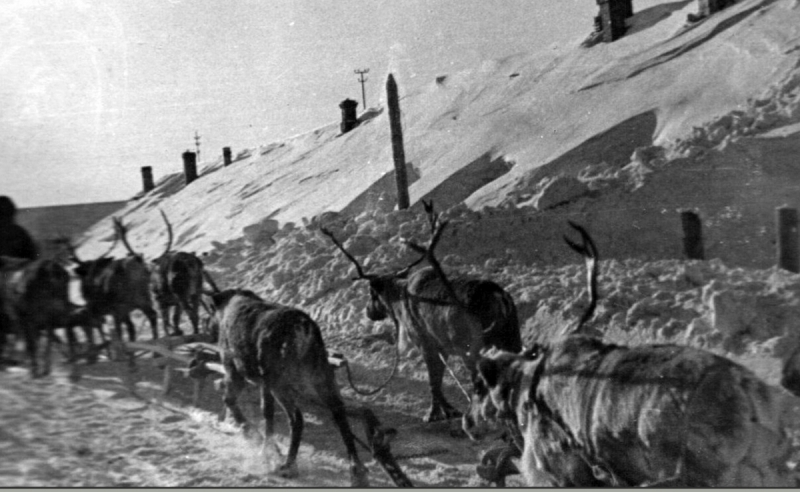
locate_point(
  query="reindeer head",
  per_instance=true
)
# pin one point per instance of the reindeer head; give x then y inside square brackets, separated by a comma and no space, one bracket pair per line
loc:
[84,267]
[384,289]
[497,387]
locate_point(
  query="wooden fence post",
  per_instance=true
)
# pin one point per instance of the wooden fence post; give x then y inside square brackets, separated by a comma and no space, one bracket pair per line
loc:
[692,236]
[147,178]
[189,166]
[786,224]
[226,156]
[398,151]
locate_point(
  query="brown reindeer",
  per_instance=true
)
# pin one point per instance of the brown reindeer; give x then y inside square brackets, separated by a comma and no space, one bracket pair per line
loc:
[176,280]
[440,316]
[34,300]
[280,349]
[587,413]
[116,287]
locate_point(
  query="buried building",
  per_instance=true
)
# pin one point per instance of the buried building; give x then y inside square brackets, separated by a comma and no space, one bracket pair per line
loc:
[708,7]
[610,21]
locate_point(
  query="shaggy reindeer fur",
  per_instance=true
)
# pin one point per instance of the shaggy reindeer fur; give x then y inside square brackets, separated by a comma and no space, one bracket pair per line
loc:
[440,316]
[117,287]
[587,413]
[35,301]
[592,413]
[177,281]
[427,316]
[281,349]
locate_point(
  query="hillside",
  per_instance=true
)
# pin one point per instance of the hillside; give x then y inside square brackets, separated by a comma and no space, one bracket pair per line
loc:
[700,101]
[619,137]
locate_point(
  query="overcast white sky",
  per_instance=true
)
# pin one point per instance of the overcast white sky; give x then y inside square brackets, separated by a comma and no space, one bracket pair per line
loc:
[92,90]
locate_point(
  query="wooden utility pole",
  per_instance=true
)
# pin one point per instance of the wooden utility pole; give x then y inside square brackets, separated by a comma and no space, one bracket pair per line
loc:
[197,144]
[363,79]
[398,151]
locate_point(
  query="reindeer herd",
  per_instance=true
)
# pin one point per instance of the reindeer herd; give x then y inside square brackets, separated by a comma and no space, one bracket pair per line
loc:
[572,412]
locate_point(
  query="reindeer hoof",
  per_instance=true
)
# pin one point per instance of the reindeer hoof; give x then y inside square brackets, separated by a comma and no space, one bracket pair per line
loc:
[433,417]
[270,448]
[437,414]
[251,434]
[288,470]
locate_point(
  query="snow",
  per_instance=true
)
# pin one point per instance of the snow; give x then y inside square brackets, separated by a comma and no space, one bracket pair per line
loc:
[619,137]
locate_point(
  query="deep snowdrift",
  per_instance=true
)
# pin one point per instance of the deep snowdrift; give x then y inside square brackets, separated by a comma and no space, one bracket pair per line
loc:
[497,135]
[619,137]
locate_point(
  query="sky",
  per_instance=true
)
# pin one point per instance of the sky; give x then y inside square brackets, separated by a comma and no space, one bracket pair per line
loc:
[92,91]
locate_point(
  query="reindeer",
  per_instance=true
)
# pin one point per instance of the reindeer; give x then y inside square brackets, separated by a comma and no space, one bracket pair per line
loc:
[116,287]
[584,412]
[34,297]
[176,280]
[440,316]
[280,349]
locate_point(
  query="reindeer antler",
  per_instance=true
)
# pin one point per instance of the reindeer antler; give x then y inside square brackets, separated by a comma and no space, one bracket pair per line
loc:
[433,218]
[62,238]
[589,252]
[122,231]
[169,233]
[113,245]
[73,254]
[437,227]
[361,274]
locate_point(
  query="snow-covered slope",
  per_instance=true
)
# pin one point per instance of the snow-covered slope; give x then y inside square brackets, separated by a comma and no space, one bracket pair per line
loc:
[499,134]
[620,137]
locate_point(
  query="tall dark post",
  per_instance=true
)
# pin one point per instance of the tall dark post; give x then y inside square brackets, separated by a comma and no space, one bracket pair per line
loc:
[226,156]
[692,236]
[349,115]
[189,166]
[396,127]
[147,178]
[786,219]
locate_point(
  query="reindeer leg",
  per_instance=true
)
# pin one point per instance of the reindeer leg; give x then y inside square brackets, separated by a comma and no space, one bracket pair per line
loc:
[328,392]
[289,469]
[72,341]
[118,326]
[31,346]
[48,350]
[192,309]
[268,410]
[129,325]
[176,319]
[234,384]
[152,318]
[440,409]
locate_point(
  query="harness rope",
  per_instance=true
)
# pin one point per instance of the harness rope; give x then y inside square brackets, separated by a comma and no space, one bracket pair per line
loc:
[384,383]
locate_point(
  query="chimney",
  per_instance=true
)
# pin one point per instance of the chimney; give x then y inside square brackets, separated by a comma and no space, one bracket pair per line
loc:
[189,166]
[147,178]
[349,117]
